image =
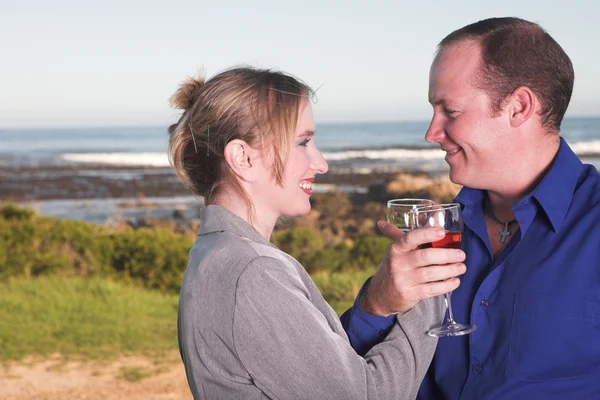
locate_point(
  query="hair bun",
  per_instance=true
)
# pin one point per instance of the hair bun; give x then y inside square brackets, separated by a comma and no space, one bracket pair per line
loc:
[186,95]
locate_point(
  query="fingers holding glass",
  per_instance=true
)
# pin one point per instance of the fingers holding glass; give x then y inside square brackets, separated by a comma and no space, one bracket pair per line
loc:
[449,217]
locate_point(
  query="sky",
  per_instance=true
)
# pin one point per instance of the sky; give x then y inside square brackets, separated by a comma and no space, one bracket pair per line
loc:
[115,63]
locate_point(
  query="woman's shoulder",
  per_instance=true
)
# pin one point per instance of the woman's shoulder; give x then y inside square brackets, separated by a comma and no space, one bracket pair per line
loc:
[229,249]
[253,259]
[218,260]
[229,244]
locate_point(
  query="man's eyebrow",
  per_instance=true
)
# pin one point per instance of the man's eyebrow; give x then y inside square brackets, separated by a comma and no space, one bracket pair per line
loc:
[435,102]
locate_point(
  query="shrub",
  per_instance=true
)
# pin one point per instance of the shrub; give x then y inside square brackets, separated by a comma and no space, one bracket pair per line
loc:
[330,259]
[300,243]
[31,245]
[368,251]
[155,258]
[11,211]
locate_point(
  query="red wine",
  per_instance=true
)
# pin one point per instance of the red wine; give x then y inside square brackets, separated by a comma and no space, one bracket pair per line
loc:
[450,241]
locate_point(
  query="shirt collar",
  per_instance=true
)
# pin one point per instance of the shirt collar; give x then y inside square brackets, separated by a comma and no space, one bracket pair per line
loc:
[469,196]
[214,218]
[554,193]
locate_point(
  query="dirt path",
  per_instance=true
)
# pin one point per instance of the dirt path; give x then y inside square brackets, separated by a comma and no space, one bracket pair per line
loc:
[131,378]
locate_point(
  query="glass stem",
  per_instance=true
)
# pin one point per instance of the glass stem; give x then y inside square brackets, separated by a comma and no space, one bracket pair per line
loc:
[449,307]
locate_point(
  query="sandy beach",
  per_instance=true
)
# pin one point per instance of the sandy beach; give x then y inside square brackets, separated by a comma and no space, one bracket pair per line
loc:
[55,379]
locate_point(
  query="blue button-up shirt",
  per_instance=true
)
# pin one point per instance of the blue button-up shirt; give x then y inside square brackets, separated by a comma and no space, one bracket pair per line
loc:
[536,307]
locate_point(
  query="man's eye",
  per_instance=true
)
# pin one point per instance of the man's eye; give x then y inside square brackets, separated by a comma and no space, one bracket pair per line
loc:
[449,112]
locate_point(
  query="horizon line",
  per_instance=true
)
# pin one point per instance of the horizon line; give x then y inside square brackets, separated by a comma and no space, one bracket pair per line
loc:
[155,125]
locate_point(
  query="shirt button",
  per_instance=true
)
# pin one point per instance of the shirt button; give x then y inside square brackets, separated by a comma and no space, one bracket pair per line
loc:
[484,303]
[478,368]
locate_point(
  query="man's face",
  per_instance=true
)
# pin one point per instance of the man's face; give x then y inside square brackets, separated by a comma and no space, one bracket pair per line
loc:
[475,140]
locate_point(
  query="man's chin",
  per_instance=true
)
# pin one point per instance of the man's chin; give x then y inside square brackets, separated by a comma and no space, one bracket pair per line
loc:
[458,177]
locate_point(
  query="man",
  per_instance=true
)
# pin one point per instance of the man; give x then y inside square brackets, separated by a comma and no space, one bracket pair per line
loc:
[499,90]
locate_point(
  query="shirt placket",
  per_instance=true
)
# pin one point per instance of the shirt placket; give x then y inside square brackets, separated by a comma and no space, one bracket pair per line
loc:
[483,315]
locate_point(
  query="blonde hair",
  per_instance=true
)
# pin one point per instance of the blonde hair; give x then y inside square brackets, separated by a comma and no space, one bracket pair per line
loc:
[258,106]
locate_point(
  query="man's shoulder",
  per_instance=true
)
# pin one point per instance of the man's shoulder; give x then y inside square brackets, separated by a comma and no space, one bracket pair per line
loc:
[585,202]
[588,185]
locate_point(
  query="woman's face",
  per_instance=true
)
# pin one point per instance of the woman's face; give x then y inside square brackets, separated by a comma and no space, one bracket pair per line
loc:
[303,163]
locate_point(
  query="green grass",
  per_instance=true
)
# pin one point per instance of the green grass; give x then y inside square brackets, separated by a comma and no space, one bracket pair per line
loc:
[92,318]
[134,374]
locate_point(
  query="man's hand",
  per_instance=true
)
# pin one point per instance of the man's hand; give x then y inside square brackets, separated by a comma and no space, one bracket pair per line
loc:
[409,274]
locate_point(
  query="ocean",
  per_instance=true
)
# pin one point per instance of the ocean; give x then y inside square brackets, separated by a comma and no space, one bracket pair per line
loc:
[355,147]
[106,175]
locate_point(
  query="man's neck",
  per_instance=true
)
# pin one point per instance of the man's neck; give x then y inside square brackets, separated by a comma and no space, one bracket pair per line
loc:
[533,171]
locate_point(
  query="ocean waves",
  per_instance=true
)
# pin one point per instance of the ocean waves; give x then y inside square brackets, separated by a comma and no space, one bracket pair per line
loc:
[119,159]
[394,155]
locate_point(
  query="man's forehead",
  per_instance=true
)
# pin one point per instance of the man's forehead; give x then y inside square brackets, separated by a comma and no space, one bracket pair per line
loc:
[453,68]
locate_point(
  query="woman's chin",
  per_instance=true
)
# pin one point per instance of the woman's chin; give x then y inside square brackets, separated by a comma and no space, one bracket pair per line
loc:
[297,213]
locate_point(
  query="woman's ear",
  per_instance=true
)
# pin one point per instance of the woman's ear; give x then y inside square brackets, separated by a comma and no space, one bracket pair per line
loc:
[241,159]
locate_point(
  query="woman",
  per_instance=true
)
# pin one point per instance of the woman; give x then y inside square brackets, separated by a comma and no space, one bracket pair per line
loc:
[251,322]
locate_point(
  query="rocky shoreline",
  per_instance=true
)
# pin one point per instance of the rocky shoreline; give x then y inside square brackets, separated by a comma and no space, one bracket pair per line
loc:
[137,196]
[86,182]
[20,184]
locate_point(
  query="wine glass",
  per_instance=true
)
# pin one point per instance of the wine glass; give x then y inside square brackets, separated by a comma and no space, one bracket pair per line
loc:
[449,217]
[398,211]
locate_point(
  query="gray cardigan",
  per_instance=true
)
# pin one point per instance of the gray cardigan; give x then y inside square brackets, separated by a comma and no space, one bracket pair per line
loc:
[253,325]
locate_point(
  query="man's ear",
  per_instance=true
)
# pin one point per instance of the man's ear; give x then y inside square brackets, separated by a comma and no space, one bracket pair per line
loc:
[521,106]
[241,159]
